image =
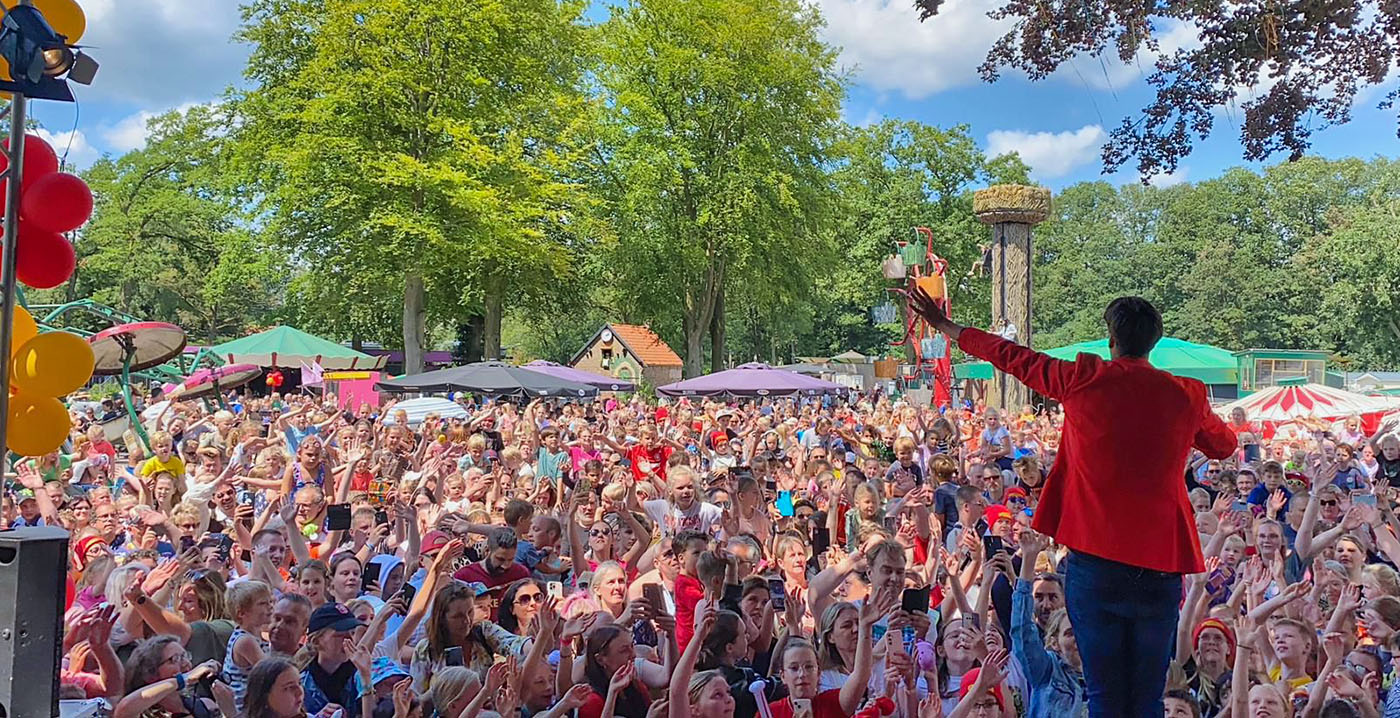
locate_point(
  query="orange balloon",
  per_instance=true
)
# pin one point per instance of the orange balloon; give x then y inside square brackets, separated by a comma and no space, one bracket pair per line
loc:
[52,364]
[25,329]
[37,425]
[64,16]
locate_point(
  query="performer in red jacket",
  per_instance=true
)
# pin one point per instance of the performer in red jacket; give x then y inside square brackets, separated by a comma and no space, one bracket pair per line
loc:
[1116,496]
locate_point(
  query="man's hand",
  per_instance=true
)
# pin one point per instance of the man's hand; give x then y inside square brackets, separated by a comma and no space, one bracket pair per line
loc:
[927,308]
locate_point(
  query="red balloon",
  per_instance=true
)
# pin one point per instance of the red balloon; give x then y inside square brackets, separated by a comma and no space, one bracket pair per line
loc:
[45,259]
[39,160]
[59,202]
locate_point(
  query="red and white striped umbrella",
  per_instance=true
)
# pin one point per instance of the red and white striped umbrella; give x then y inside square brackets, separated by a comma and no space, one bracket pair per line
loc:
[1284,403]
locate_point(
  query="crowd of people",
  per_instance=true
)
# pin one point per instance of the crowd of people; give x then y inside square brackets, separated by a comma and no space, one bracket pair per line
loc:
[822,558]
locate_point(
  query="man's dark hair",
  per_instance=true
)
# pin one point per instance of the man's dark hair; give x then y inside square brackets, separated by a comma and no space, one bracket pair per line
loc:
[518,510]
[501,538]
[1134,325]
[685,538]
[966,495]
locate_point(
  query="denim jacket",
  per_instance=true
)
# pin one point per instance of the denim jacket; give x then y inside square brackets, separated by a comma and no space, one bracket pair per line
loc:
[1057,691]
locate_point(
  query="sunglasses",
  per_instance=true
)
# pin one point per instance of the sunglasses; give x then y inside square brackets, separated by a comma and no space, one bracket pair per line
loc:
[1328,502]
[600,532]
[528,598]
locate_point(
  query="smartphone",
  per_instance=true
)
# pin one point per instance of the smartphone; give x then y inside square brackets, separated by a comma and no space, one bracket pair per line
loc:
[784,504]
[1217,582]
[369,575]
[452,656]
[654,597]
[1367,499]
[778,591]
[1251,453]
[338,517]
[407,593]
[555,590]
[821,540]
[770,485]
[992,545]
[381,517]
[187,542]
[1240,506]
[915,600]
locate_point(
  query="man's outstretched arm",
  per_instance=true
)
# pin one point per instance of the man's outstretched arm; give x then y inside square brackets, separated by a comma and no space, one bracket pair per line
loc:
[1045,374]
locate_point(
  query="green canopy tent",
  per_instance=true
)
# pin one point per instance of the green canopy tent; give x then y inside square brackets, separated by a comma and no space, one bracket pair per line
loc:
[1210,365]
[290,347]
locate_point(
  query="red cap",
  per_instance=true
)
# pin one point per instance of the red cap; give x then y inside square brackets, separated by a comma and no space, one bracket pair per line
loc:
[995,513]
[718,437]
[970,678]
[662,412]
[1218,625]
[1016,491]
[434,541]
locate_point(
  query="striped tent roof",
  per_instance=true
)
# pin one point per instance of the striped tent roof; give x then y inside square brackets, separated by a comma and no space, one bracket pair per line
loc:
[1284,403]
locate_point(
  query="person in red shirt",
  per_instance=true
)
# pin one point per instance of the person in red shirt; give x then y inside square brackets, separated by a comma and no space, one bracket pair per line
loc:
[1128,429]
[689,590]
[498,568]
[796,661]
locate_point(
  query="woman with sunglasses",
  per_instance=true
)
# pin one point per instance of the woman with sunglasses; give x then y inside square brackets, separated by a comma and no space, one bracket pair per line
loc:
[156,676]
[520,603]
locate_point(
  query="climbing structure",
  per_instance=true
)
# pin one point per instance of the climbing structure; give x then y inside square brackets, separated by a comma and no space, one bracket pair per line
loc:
[928,351]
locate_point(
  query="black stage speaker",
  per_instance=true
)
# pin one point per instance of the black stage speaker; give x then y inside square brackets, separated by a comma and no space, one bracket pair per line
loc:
[33,564]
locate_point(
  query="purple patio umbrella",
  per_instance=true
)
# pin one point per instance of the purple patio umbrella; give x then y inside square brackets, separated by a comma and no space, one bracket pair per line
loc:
[559,371]
[754,379]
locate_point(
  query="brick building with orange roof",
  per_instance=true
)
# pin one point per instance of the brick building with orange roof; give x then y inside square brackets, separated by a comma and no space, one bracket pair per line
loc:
[630,352]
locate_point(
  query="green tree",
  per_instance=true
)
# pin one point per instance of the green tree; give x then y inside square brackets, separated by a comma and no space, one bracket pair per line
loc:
[720,114]
[413,149]
[166,240]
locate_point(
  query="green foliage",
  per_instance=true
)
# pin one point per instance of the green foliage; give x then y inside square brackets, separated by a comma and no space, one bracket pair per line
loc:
[413,150]
[166,240]
[1300,256]
[719,116]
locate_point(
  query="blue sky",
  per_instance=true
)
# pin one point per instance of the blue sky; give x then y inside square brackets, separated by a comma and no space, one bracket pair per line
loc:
[162,54]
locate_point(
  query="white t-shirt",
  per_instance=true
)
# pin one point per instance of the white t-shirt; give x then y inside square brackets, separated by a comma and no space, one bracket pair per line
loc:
[704,517]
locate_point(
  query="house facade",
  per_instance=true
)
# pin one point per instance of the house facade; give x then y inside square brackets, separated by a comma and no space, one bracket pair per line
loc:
[629,352]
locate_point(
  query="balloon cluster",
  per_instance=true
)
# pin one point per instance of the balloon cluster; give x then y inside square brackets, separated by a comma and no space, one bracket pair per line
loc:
[51,203]
[45,367]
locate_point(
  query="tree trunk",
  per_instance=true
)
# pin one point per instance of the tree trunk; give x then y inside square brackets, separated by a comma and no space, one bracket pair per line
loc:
[414,316]
[493,306]
[357,343]
[717,353]
[694,331]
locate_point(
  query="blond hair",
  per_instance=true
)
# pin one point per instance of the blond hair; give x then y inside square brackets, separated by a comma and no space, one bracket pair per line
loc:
[242,595]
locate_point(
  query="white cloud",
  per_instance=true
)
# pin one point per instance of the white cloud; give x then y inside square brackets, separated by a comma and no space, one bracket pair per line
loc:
[160,53]
[885,45]
[79,152]
[1049,154]
[130,132]
[1169,179]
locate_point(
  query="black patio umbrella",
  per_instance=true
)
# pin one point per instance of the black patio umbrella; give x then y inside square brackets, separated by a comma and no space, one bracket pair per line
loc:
[491,378]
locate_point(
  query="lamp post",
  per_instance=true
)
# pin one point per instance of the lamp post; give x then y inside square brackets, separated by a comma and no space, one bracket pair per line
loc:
[13,175]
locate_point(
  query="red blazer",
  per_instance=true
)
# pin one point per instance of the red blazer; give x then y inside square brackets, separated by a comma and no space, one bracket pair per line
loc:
[1117,489]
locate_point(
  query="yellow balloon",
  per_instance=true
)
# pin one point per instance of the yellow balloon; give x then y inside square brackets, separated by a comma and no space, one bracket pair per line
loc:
[24,329]
[52,364]
[64,16]
[38,424]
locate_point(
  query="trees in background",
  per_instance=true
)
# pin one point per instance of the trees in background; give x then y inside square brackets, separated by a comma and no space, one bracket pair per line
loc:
[408,172]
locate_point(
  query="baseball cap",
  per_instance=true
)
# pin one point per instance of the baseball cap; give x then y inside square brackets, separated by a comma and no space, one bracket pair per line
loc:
[434,541]
[970,678]
[478,588]
[334,616]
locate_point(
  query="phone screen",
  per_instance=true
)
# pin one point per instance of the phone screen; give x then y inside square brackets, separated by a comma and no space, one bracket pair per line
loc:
[381,517]
[914,600]
[778,591]
[338,517]
[1367,499]
[821,540]
[993,545]
[369,575]
[452,656]
[408,592]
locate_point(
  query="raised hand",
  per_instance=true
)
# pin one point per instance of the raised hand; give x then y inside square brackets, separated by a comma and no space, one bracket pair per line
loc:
[621,679]
[575,697]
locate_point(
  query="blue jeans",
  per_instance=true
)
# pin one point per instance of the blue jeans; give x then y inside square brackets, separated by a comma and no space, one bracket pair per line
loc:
[1124,620]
